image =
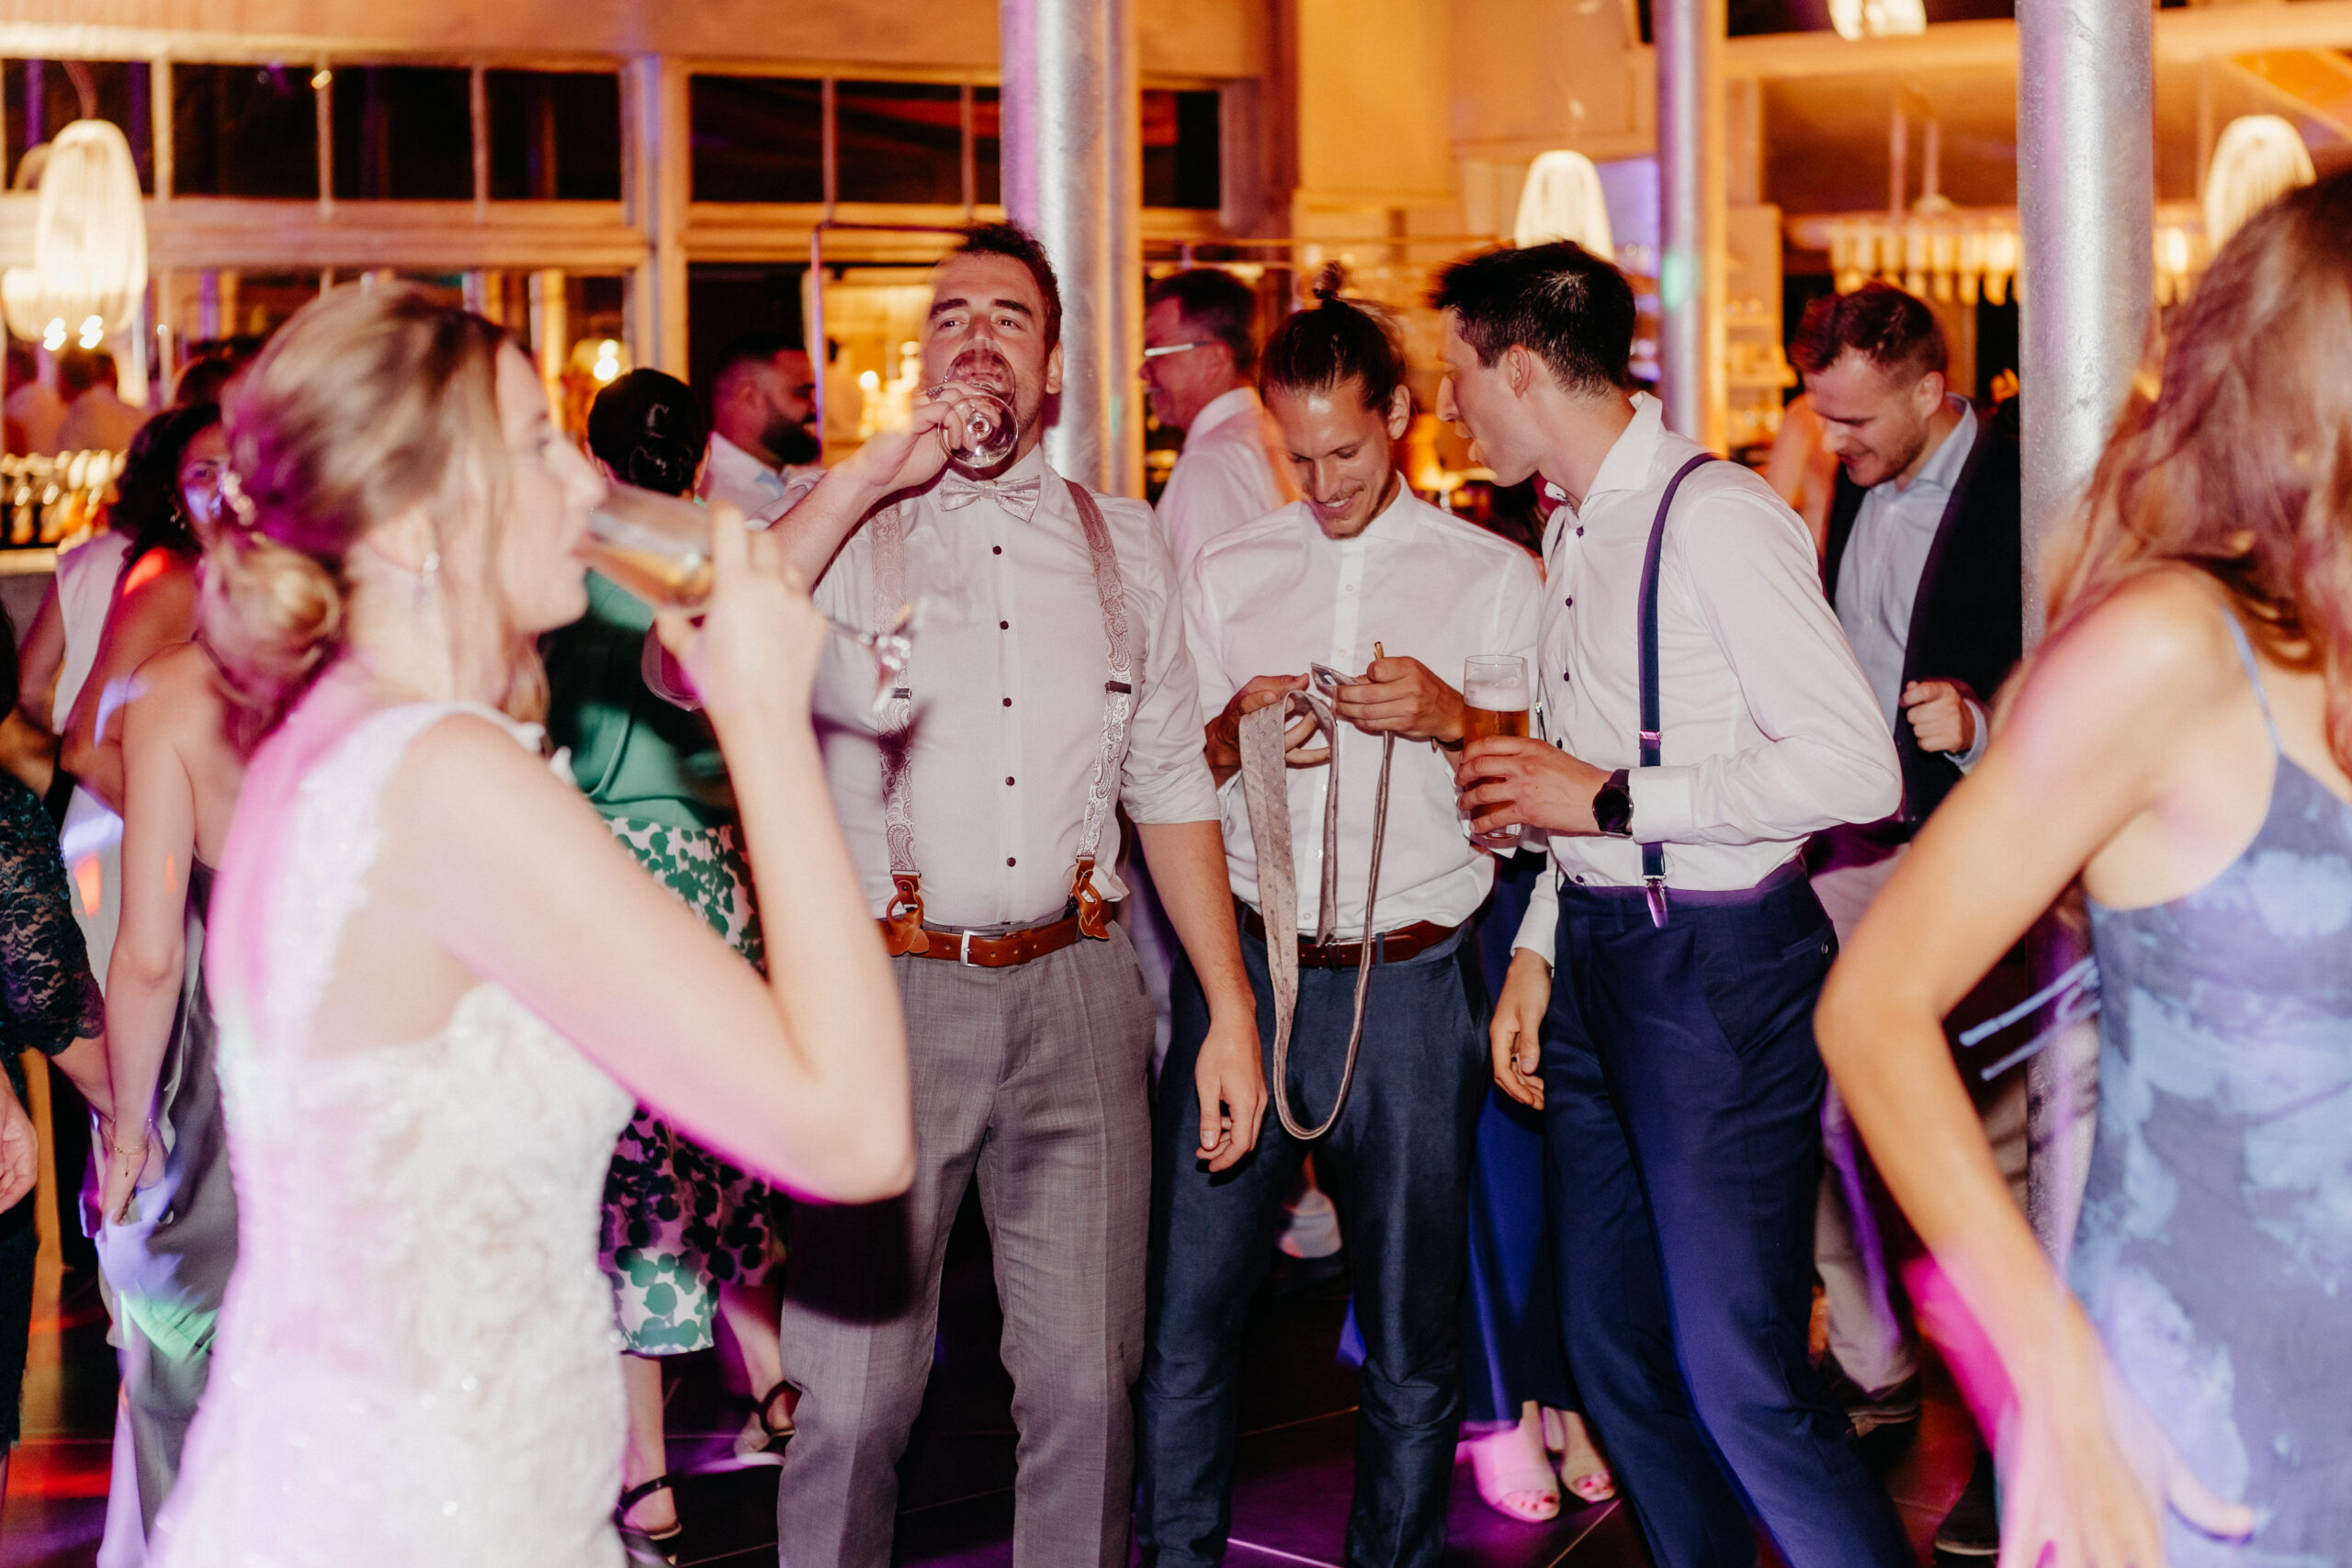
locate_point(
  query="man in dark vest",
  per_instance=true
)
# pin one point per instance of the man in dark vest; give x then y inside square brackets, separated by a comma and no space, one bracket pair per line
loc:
[1922,563]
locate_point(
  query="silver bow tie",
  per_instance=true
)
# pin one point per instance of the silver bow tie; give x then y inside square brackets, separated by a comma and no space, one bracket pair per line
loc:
[1016,496]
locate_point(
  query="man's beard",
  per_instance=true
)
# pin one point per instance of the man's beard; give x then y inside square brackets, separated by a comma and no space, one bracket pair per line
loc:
[793,442]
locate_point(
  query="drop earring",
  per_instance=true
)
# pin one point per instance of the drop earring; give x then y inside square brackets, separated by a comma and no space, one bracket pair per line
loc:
[428,580]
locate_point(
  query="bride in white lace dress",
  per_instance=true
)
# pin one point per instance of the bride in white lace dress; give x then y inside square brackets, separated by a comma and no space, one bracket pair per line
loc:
[441,983]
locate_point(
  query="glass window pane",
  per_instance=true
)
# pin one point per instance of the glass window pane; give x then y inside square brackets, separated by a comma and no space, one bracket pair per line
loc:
[245,131]
[899,142]
[554,135]
[46,95]
[402,133]
[724,301]
[987,146]
[757,139]
[1182,148]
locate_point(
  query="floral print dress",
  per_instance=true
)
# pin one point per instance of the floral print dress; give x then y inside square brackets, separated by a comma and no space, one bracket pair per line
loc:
[679,1221]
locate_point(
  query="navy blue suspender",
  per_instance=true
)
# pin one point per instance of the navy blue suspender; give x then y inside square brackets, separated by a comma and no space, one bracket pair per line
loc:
[1653,852]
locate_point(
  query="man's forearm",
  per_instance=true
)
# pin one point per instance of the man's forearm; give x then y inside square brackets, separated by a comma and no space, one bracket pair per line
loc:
[813,530]
[1187,861]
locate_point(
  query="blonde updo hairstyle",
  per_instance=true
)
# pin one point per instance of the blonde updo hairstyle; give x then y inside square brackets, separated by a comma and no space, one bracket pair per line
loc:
[368,403]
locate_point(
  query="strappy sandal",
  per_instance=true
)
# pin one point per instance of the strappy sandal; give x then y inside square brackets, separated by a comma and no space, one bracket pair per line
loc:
[1582,1469]
[642,1546]
[762,1442]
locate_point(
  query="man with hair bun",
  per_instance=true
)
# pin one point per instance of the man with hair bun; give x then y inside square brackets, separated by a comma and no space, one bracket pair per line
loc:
[1364,577]
[1922,563]
[1200,350]
[1704,718]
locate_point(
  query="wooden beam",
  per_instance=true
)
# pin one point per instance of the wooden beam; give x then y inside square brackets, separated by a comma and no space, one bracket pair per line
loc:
[2336,117]
[2184,36]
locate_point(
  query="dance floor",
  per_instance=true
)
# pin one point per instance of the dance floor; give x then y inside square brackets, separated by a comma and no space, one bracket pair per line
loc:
[1290,1496]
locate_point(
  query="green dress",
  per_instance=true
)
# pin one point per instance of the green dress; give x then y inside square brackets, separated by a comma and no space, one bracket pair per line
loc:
[678,1220]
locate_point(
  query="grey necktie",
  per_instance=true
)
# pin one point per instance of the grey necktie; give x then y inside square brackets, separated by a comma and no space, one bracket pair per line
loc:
[1266,790]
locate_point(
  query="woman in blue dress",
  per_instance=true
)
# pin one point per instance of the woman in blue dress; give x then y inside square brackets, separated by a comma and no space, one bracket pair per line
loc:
[2181,745]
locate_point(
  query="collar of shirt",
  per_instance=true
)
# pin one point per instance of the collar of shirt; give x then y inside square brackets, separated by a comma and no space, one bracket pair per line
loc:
[734,471]
[1223,409]
[1625,469]
[1396,524]
[1941,471]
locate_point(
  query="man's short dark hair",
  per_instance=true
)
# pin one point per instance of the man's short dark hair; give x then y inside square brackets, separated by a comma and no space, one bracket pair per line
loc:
[1012,240]
[1563,304]
[753,349]
[79,369]
[1213,301]
[1893,330]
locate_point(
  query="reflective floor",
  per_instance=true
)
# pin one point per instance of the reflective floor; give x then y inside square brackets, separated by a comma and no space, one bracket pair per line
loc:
[1290,1497]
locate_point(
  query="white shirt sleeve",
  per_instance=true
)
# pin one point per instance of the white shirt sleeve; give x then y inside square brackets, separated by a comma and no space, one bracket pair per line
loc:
[1540,926]
[1222,486]
[1166,778]
[1827,757]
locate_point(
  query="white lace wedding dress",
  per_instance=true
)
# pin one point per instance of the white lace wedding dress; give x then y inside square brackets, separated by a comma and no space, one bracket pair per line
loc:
[417,1362]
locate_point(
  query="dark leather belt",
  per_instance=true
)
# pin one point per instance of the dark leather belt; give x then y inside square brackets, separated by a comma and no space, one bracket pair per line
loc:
[1390,947]
[1005,949]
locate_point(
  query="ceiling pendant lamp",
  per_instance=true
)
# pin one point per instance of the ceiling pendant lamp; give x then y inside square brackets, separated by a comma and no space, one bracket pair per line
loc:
[89,274]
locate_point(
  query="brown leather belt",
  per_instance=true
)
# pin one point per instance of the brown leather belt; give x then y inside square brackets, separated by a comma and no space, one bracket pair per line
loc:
[1391,947]
[1002,951]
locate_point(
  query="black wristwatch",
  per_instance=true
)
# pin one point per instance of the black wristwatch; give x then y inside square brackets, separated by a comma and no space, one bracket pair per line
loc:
[1612,807]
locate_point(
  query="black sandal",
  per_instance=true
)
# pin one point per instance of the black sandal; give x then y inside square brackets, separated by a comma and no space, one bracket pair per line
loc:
[638,1545]
[762,1442]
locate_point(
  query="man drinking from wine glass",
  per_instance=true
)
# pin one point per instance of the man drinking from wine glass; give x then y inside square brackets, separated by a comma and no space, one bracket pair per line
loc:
[1359,569]
[1048,687]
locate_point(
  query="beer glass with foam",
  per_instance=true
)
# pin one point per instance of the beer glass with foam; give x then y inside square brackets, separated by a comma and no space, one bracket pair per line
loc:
[1497,700]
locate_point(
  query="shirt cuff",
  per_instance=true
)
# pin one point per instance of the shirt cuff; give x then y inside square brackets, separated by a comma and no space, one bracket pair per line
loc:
[1662,809]
[1966,759]
[1539,928]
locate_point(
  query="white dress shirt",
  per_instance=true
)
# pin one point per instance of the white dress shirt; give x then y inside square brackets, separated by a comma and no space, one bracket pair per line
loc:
[1007,673]
[1225,476]
[1878,581]
[1273,596]
[734,476]
[1769,731]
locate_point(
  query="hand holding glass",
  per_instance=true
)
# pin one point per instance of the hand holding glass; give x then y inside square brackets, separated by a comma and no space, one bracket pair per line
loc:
[1496,701]
[980,430]
[657,546]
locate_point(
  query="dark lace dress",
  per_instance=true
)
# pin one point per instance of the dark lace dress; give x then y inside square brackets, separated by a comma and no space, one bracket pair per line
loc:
[48,999]
[2215,1248]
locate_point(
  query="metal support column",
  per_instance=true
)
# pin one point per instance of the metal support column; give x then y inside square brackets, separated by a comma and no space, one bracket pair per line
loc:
[1692,260]
[1058,58]
[2087,209]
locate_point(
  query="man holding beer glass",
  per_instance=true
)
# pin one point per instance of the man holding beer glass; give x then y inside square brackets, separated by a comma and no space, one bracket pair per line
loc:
[1706,718]
[1358,569]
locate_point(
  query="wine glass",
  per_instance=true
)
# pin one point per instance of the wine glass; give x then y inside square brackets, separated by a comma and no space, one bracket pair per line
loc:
[658,547]
[983,430]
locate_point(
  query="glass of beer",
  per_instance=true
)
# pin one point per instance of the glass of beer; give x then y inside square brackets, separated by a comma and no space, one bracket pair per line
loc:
[658,547]
[1497,700]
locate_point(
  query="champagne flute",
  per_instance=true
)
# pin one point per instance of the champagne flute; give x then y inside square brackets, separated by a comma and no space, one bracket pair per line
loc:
[658,547]
[1496,701]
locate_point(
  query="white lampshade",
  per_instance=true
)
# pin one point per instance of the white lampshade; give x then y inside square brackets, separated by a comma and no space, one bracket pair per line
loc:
[2260,159]
[89,238]
[1563,200]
